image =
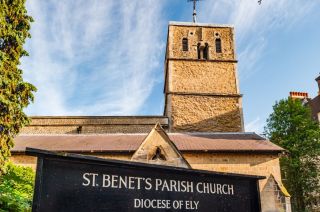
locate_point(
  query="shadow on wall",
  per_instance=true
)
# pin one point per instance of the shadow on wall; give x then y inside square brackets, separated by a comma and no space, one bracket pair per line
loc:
[226,122]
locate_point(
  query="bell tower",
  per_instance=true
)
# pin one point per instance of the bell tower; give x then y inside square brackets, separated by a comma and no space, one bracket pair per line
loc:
[201,83]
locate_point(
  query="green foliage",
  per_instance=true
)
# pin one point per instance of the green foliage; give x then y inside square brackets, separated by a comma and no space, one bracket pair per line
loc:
[16,188]
[15,94]
[291,127]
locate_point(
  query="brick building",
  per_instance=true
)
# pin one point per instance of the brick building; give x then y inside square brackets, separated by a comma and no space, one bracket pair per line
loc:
[313,103]
[202,126]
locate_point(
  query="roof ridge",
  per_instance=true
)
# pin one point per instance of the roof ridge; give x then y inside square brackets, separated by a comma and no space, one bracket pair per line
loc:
[91,134]
[217,133]
[175,133]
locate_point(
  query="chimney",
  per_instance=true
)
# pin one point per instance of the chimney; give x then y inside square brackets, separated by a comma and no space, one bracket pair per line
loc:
[318,81]
[299,95]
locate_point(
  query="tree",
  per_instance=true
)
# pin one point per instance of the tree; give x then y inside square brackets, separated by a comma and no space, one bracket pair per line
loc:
[16,188]
[291,127]
[15,94]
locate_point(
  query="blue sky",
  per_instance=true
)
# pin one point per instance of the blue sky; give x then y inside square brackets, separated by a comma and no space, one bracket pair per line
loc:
[105,57]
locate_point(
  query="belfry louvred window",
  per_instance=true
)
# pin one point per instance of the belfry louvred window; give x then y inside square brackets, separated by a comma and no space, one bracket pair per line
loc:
[218,45]
[203,51]
[206,52]
[185,44]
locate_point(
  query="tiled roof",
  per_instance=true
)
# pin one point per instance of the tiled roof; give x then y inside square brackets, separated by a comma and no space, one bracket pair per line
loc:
[185,142]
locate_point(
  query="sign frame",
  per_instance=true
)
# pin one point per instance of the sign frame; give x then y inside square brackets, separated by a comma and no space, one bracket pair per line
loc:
[43,156]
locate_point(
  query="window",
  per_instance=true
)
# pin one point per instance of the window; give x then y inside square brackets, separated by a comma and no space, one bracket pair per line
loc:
[158,156]
[199,51]
[203,51]
[79,129]
[206,52]
[185,44]
[218,45]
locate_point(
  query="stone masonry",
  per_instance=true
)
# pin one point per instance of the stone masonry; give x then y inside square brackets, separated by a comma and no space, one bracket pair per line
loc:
[93,124]
[201,85]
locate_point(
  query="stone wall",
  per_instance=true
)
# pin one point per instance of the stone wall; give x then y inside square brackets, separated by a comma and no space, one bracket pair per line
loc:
[202,77]
[272,197]
[250,164]
[196,34]
[204,113]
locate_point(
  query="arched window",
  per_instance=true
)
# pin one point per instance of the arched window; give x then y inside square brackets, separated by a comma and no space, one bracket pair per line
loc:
[185,44]
[218,45]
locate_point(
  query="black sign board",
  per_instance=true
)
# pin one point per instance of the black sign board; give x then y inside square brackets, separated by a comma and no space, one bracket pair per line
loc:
[69,182]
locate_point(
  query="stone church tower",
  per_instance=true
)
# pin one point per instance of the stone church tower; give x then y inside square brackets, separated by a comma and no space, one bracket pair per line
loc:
[201,86]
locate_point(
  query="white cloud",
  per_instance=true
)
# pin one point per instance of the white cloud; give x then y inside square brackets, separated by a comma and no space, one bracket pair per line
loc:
[81,52]
[249,57]
[253,22]
[255,125]
[134,57]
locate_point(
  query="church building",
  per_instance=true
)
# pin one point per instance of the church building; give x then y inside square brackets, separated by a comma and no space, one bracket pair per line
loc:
[201,128]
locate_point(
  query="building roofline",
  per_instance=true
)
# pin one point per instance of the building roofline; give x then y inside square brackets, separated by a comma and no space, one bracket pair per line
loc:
[126,143]
[222,151]
[176,23]
[96,117]
[169,133]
